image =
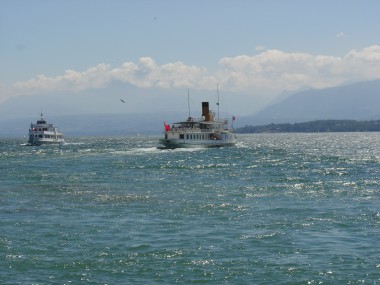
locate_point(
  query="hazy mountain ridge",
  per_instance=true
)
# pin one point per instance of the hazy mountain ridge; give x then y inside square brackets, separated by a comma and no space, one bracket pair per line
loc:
[357,101]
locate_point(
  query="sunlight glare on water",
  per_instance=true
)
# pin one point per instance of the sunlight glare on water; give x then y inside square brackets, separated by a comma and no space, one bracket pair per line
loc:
[276,209]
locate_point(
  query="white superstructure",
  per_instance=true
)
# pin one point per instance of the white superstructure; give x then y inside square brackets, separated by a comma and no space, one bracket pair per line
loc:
[44,133]
[204,132]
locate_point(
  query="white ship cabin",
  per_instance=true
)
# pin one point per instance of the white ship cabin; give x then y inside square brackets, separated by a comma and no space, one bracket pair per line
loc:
[205,128]
[42,131]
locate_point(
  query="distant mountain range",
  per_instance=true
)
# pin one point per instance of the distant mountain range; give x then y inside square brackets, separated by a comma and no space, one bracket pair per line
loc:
[358,101]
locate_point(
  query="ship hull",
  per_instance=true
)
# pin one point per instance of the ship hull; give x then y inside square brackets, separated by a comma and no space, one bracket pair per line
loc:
[46,142]
[178,143]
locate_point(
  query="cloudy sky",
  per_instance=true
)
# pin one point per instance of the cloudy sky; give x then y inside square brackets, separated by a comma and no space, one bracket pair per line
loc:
[252,49]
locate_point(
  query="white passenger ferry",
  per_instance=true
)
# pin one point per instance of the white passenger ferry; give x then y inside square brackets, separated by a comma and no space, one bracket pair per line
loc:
[44,133]
[207,131]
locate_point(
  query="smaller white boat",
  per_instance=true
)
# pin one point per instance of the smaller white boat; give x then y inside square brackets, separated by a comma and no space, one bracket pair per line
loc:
[44,133]
[206,131]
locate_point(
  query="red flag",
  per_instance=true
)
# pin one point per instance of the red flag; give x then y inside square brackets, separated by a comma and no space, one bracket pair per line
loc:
[167,127]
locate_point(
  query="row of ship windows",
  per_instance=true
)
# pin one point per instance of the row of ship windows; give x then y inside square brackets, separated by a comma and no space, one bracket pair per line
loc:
[194,136]
[199,137]
[40,129]
[47,136]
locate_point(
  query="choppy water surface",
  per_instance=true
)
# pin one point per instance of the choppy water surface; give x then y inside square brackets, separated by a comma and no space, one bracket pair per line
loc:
[277,209]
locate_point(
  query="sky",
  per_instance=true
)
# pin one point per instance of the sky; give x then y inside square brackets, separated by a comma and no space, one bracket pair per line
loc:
[253,50]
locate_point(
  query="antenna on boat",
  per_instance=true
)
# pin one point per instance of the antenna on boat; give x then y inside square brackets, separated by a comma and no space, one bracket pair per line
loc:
[188,100]
[217,103]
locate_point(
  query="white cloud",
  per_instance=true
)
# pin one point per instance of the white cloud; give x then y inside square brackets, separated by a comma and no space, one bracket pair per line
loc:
[147,74]
[278,70]
[369,54]
[270,71]
[71,80]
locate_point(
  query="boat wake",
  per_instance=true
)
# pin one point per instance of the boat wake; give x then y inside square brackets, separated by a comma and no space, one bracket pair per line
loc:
[73,143]
[163,150]
[168,150]
[241,145]
[136,151]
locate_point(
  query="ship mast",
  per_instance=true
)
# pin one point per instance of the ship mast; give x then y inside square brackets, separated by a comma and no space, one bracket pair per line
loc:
[188,100]
[217,103]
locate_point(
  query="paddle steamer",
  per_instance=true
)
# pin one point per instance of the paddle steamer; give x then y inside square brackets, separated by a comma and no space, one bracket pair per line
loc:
[206,131]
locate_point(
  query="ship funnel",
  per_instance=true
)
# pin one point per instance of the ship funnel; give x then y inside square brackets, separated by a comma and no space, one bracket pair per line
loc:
[206,111]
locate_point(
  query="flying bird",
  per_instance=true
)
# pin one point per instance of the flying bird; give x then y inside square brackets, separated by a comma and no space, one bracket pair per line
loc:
[122,101]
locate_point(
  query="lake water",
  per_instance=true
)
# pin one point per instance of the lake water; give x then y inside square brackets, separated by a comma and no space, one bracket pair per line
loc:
[276,209]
